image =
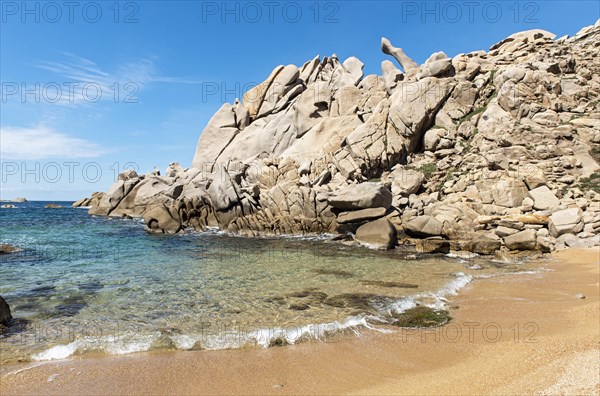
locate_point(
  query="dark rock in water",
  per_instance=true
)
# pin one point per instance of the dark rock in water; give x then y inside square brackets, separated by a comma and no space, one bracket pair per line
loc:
[279,341]
[316,298]
[360,301]
[421,317]
[325,271]
[299,307]
[342,237]
[43,291]
[90,287]
[8,206]
[71,306]
[5,248]
[53,206]
[299,294]
[275,299]
[389,284]
[5,315]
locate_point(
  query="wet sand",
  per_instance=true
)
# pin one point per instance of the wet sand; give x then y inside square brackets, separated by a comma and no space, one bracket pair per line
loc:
[518,334]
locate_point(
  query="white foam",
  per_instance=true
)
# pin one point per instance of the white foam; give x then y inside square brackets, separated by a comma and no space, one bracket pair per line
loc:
[58,352]
[184,341]
[121,345]
[265,337]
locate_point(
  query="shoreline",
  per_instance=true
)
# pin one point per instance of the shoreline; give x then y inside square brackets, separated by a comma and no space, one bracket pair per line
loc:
[537,338]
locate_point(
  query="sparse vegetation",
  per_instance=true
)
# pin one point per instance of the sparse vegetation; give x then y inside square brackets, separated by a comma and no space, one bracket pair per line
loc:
[595,153]
[450,174]
[590,183]
[428,169]
[472,114]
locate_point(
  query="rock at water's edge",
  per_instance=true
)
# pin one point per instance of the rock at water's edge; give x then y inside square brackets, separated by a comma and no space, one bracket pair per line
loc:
[5,314]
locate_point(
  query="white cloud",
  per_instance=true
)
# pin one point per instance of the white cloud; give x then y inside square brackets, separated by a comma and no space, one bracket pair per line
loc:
[122,84]
[41,142]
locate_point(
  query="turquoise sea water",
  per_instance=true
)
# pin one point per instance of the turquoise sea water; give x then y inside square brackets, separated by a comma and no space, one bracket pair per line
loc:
[85,283]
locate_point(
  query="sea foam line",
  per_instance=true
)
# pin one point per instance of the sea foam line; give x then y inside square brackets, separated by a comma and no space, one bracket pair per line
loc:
[265,337]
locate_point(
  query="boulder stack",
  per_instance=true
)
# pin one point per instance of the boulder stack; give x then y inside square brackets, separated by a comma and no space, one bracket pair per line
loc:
[486,150]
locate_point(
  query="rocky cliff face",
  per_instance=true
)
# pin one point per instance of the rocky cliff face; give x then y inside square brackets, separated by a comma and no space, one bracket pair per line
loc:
[478,152]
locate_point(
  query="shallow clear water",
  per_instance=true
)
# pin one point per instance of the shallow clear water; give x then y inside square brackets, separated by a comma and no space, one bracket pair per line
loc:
[88,283]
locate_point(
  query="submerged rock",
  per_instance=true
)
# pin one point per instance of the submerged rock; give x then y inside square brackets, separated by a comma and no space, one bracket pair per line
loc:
[326,271]
[389,284]
[359,301]
[299,307]
[421,317]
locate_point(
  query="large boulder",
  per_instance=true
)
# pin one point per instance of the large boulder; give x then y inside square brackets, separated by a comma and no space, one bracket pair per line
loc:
[20,199]
[543,198]
[361,196]
[567,221]
[5,314]
[220,131]
[424,226]
[509,193]
[406,181]
[524,240]
[162,219]
[438,65]
[358,216]
[482,245]
[413,107]
[380,234]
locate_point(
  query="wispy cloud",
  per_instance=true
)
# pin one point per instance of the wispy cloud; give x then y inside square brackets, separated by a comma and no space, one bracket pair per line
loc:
[121,84]
[42,142]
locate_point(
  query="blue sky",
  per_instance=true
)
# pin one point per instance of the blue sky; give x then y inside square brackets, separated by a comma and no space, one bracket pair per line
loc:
[89,88]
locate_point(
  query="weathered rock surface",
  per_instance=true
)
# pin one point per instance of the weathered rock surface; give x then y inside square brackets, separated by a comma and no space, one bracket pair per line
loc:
[358,216]
[566,221]
[379,234]
[361,196]
[6,248]
[543,198]
[483,150]
[424,226]
[523,240]
[483,245]
[5,314]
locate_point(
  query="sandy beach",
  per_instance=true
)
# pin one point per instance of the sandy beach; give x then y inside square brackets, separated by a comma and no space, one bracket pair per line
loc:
[517,334]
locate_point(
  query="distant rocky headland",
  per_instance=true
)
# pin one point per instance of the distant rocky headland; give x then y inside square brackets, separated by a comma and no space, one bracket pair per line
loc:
[482,152]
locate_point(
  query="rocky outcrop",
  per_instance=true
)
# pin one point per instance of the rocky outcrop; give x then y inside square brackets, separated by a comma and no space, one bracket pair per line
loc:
[5,315]
[482,151]
[6,248]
